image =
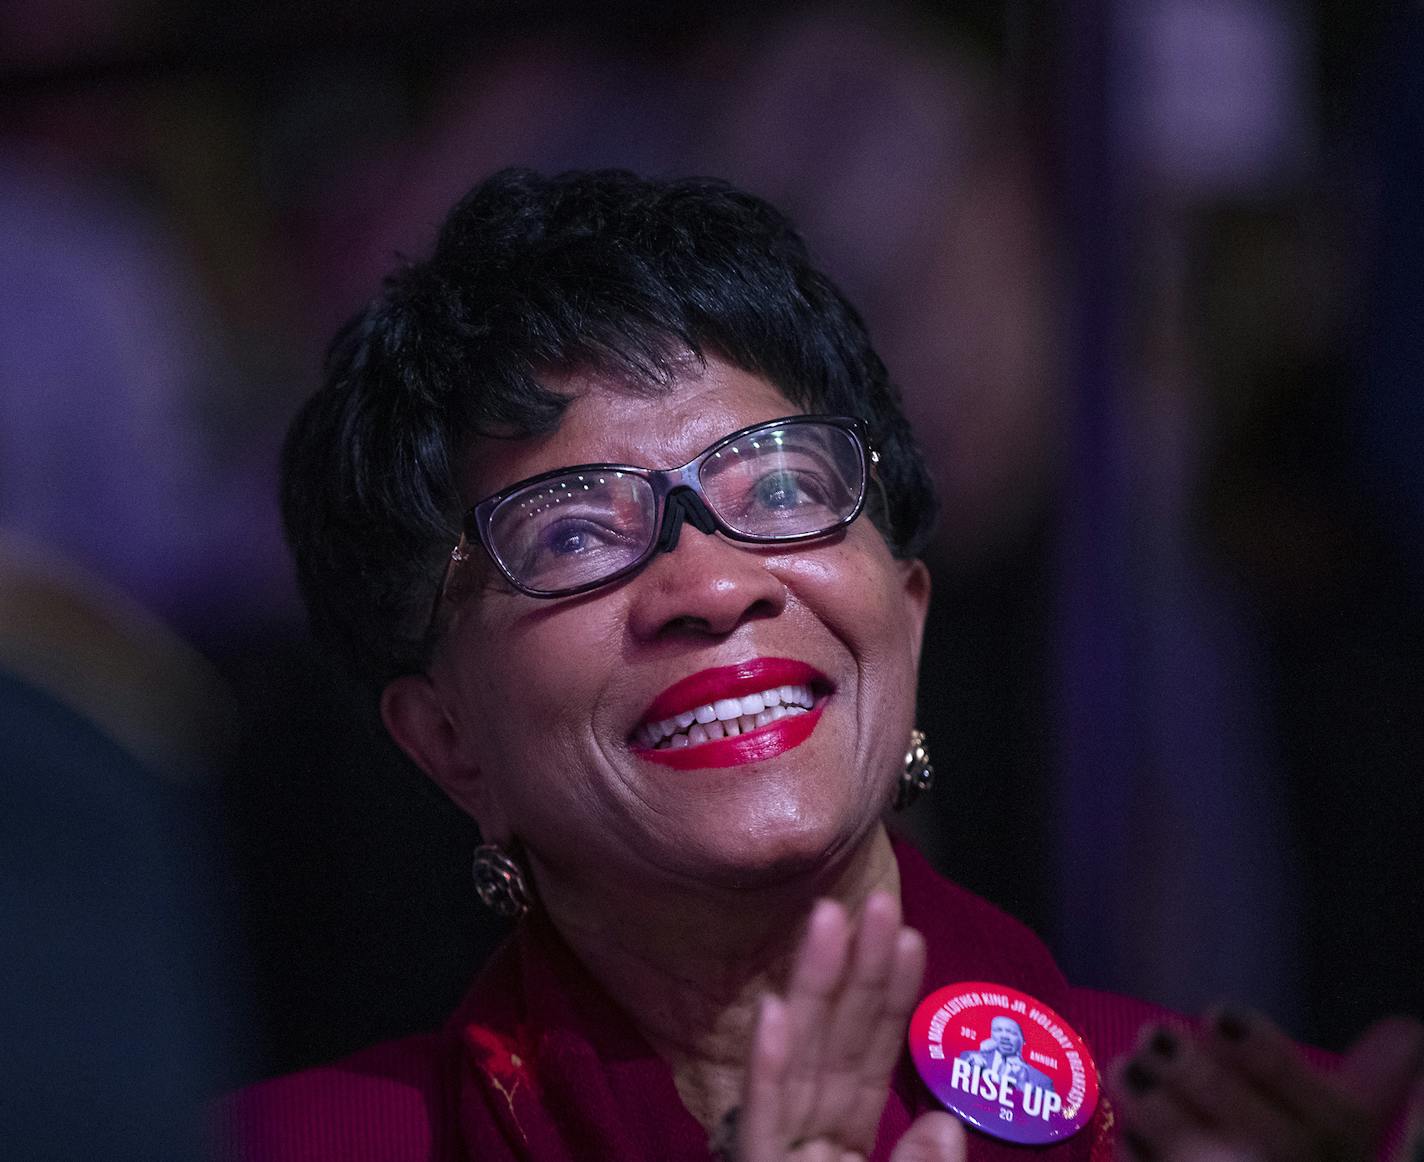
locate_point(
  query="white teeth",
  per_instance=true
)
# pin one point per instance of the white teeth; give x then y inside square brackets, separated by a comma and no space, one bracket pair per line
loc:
[726,717]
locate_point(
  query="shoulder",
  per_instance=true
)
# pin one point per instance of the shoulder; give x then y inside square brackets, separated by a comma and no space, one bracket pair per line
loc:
[393,1102]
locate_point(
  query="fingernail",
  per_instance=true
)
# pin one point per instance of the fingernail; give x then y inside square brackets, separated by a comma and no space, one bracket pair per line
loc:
[1137,1146]
[1163,1044]
[1138,1077]
[1231,1025]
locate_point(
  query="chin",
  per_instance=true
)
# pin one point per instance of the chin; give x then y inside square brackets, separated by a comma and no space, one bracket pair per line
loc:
[771,856]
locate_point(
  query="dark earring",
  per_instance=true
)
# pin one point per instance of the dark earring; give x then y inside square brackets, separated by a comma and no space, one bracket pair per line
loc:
[499,882]
[918,775]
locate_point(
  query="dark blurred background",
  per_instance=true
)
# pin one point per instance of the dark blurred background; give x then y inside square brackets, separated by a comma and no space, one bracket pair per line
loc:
[1145,270]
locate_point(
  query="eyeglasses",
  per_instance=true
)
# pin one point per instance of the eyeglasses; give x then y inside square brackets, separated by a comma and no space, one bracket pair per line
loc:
[574,529]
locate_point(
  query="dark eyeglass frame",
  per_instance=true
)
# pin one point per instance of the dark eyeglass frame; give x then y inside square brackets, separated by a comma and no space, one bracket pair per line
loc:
[677,497]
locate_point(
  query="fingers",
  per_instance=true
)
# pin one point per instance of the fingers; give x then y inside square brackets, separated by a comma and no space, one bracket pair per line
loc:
[902,986]
[935,1137]
[1345,1111]
[760,1136]
[863,995]
[819,1067]
[863,1039]
[1250,1045]
[1173,1096]
[1383,1064]
[820,963]
[1243,1088]
[1152,1118]
[810,994]
[884,1039]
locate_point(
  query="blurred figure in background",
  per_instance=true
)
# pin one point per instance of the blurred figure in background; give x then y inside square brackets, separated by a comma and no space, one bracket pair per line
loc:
[118,960]
[123,986]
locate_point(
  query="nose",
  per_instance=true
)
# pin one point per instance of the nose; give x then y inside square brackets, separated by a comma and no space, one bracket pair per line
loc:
[708,585]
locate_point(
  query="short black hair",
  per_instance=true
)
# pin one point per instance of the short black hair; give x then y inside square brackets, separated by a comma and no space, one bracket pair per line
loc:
[604,272]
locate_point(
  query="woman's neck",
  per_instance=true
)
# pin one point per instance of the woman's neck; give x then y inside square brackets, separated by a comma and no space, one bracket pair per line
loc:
[689,967]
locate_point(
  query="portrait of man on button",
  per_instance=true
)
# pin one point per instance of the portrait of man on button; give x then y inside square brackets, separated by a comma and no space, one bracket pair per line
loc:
[1002,1055]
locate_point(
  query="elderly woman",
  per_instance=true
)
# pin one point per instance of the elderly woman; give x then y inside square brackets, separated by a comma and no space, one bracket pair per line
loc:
[612,500]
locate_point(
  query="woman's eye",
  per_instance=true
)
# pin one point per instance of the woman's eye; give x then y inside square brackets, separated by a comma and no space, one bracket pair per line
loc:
[571,537]
[566,542]
[782,490]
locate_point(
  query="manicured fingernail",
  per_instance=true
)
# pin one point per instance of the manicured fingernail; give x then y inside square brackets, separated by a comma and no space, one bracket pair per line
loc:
[1137,1146]
[1231,1025]
[1138,1077]
[1163,1044]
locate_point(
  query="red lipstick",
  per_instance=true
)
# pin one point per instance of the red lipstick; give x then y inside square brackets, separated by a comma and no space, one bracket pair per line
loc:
[731,682]
[749,677]
[764,742]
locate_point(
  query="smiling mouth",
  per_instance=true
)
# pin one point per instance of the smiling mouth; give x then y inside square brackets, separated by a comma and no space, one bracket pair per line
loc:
[731,715]
[726,718]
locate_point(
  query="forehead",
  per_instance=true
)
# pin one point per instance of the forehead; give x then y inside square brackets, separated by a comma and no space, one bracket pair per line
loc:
[610,423]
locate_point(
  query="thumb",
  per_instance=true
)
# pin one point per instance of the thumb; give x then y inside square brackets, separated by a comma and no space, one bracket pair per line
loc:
[1380,1067]
[935,1137]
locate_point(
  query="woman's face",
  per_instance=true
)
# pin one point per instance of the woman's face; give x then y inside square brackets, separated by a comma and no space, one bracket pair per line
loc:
[537,710]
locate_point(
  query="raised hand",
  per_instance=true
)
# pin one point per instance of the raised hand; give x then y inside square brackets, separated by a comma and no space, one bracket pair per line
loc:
[1244,1092]
[819,1070]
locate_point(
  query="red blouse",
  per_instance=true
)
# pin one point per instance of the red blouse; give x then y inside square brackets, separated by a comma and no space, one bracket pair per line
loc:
[537,1063]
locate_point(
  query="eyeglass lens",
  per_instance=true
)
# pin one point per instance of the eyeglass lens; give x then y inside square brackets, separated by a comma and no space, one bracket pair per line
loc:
[774,483]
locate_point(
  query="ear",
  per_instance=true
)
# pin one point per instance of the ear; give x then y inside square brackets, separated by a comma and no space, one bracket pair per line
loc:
[422,726]
[916,586]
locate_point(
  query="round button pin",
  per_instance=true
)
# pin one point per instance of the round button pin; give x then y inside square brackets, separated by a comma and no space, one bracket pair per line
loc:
[1004,1063]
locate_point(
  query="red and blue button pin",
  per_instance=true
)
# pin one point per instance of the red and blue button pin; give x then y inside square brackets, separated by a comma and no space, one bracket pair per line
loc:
[1004,1063]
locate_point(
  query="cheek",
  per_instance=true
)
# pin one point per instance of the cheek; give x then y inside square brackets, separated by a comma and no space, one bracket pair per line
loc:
[533,685]
[857,591]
